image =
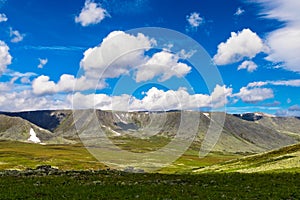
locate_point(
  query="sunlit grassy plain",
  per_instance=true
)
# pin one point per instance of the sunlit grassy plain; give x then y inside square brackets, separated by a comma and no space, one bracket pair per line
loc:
[19,156]
[189,177]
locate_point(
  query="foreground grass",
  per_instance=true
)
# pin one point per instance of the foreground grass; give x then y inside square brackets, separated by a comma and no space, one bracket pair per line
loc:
[120,185]
[19,155]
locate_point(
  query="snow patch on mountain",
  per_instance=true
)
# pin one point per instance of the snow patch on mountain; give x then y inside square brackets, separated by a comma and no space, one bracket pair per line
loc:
[207,115]
[33,138]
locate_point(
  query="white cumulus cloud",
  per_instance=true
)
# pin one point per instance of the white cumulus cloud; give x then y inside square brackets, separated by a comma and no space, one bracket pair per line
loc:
[42,85]
[42,63]
[163,64]
[250,66]
[16,36]
[239,11]
[254,92]
[5,57]
[116,55]
[4,86]
[121,52]
[194,19]
[91,13]
[154,100]
[244,44]
[3,17]
[26,100]
[254,95]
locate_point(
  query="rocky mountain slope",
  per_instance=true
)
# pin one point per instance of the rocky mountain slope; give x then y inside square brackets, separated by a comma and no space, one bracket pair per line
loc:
[18,129]
[247,133]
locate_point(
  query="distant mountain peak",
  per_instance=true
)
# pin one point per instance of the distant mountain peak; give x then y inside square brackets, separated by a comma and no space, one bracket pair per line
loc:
[255,116]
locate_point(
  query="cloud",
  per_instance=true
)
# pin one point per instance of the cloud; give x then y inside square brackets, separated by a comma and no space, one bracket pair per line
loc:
[25,80]
[257,84]
[100,101]
[24,77]
[292,111]
[42,85]
[91,13]
[154,100]
[220,96]
[194,19]
[5,86]
[294,108]
[239,11]
[272,104]
[244,44]
[254,95]
[3,17]
[19,96]
[68,83]
[116,55]
[26,100]
[19,74]
[255,89]
[285,11]
[54,48]
[284,42]
[5,57]
[249,65]
[119,53]
[292,83]
[42,63]
[163,64]
[16,36]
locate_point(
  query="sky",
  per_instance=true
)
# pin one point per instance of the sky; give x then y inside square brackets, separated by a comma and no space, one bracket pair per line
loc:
[236,56]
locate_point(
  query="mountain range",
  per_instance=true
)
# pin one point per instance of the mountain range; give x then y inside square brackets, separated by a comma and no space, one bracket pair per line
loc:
[242,133]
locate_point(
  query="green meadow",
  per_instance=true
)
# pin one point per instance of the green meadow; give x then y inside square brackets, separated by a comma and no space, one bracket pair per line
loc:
[81,176]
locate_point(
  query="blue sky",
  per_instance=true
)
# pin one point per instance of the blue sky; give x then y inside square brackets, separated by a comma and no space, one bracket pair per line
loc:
[47,47]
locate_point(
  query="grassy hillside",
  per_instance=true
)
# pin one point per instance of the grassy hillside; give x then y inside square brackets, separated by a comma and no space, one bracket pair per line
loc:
[285,159]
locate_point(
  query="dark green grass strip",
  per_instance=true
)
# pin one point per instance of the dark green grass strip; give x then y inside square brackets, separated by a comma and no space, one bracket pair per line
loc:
[119,185]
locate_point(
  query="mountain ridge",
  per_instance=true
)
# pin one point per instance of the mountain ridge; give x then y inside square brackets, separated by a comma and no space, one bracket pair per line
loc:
[242,133]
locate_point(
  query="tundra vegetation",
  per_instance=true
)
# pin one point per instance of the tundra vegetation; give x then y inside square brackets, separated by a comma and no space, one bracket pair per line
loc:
[256,157]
